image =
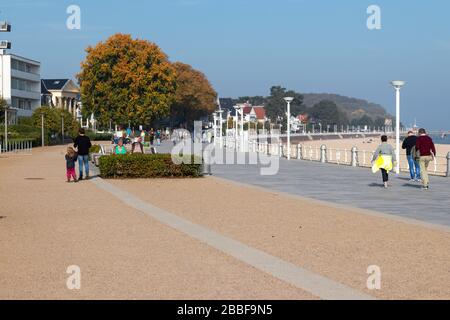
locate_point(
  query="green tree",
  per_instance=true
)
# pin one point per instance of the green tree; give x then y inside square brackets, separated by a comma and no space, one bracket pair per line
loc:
[194,96]
[327,113]
[125,79]
[53,119]
[3,106]
[276,106]
[379,122]
[365,120]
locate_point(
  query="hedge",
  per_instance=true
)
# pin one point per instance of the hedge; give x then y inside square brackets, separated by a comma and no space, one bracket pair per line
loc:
[94,148]
[99,136]
[146,166]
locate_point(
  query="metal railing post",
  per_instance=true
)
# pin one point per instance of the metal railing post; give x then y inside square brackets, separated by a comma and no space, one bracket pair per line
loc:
[354,157]
[299,151]
[448,164]
[207,164]
[323,153]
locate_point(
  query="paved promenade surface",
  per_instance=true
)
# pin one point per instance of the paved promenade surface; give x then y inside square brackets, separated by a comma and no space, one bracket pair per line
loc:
[346,185]
[199,239]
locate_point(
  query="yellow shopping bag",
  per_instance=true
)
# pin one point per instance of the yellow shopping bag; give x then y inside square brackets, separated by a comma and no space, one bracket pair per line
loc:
[382,162]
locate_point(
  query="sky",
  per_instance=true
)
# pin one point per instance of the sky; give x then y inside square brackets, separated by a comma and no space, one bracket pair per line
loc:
[246,46]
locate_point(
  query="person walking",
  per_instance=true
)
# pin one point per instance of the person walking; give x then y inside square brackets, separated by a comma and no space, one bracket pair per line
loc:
[152,136]
[136,140]
[71,158]
[120,148]
[158,137]
[383,159]
[408,144]
[427,153]
[82,143]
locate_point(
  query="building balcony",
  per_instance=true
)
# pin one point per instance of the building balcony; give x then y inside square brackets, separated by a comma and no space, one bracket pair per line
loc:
[26,94]
[25,75]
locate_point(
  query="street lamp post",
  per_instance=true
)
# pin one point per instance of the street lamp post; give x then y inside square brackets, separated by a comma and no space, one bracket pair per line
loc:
[6,128]
[397,84]
[236,132]
[242,126]
[62,128]
[220,128]
[215,127]
[42,129]
[288,101]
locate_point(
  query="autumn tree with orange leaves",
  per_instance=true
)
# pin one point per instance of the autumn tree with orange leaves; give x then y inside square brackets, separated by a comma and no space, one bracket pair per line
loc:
[124,79]
[194,97]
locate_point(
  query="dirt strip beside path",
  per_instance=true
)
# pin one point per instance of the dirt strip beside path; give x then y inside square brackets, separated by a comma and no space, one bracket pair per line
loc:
[48,225]
[333,242]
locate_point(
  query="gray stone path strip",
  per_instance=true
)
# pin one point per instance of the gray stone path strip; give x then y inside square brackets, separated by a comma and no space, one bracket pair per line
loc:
[345,185]
[317,285]
[349,208]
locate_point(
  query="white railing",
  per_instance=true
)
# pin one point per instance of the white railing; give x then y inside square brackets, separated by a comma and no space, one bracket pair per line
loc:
[17,146]
[349,157]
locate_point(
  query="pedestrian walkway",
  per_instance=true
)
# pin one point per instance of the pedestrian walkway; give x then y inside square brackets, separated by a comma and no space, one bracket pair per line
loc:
[203,238]
[356,187]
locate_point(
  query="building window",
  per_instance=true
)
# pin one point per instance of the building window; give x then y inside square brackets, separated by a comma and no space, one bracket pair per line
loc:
[22,66]
[20,84]
[18,103]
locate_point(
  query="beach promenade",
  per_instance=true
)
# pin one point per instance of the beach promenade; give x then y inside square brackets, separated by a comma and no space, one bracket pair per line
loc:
[346,185]
[211,238]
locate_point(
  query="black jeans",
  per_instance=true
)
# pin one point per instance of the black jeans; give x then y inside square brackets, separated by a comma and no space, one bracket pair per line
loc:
[384,175]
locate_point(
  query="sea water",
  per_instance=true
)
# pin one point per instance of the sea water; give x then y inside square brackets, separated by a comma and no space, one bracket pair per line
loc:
[438,139]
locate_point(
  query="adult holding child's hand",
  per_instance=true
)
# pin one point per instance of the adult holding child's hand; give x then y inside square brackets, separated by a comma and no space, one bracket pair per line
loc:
[82,143]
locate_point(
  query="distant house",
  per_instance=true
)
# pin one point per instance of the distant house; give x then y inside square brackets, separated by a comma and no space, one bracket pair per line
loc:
[61,93]
[254,114]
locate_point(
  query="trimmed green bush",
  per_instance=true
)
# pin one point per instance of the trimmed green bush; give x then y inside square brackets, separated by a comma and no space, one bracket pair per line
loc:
[99,136]
[147,166]
[94,148]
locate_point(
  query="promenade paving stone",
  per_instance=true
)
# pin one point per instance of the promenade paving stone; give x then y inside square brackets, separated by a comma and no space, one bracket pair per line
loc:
[346,185]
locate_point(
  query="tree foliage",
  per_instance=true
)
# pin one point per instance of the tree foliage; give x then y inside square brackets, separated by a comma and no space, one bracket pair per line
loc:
[124,79]
[365,120]
[194,96]
[53,119]
[276,106]
[3,106]
[327,113]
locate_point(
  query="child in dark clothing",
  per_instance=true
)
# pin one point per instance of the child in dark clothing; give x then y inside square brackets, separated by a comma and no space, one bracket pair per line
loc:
[71,158]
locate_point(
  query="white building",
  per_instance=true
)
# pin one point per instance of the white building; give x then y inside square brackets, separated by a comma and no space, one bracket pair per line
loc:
[20,85]
[62,94]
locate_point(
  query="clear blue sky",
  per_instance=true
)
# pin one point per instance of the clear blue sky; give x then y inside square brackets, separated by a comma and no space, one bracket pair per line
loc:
[246,46]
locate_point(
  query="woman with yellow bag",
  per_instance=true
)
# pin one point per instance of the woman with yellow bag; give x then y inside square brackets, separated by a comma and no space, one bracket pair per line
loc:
[384,159]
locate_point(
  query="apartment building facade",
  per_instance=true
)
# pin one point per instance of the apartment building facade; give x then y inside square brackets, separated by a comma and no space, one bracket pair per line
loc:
[20,85]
